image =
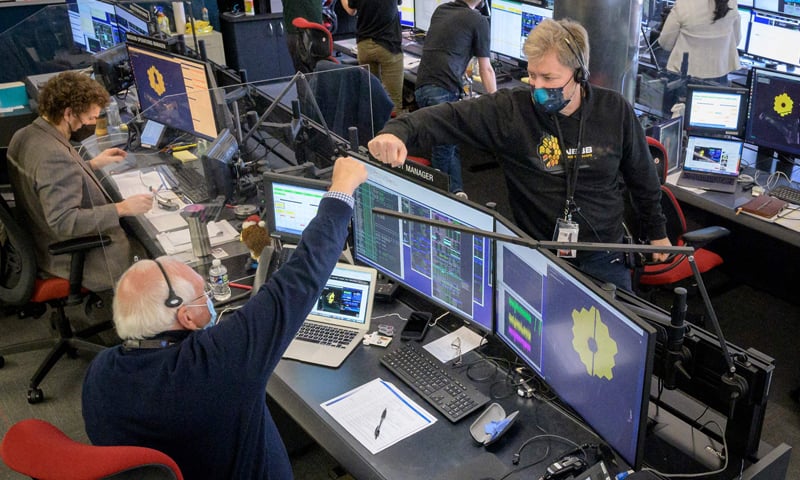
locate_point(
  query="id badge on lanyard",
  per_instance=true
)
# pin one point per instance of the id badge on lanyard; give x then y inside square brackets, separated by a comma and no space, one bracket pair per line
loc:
[566,232]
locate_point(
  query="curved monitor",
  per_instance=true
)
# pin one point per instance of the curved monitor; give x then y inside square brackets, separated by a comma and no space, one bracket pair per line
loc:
[596,356]
[716,111]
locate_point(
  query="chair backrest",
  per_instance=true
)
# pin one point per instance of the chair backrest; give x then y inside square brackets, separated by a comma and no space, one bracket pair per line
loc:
[316,41]
[17,260]
[660,158]
[40,450]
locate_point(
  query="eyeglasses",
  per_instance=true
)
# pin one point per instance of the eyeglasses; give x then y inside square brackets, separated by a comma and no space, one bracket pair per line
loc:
[456,345]
[207,293]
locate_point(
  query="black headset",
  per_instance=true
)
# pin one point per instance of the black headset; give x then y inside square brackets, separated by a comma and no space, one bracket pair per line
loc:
[173,300]
[582,72]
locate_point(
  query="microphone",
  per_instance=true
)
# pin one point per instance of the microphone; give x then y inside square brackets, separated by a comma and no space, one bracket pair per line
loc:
[676,354]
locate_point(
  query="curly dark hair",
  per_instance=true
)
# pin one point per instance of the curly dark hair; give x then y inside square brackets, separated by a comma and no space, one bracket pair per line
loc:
[70,89]
[721,9]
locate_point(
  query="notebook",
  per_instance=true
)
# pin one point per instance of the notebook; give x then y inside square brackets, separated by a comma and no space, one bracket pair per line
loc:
[340,317]
[711,164]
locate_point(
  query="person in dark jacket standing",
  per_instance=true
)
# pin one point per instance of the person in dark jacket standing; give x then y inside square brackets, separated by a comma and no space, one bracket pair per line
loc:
[195,392]
[563,145]
[457,33]
[379,42]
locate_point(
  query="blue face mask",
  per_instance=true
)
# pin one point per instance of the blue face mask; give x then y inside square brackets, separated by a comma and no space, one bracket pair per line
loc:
[212,312]
[549,100]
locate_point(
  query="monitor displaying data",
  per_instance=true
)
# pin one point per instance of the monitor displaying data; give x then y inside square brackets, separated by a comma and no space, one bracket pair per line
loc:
[423,10]
[774,120]
[98,25]
[596,357]
[774,37]
[291,203]
[406,9]
[744,27]
[173,90]
[716,111]
[450,267]
[512,21]
[790,7]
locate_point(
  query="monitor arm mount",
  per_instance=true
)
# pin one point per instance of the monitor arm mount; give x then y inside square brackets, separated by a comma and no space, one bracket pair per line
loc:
[736,385]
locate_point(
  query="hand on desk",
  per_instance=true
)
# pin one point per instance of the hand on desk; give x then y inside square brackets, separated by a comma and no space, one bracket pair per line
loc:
[107,157]
[135,205]
[661,242]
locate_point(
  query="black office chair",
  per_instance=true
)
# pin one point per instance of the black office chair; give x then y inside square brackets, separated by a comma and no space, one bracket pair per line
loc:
[20,286]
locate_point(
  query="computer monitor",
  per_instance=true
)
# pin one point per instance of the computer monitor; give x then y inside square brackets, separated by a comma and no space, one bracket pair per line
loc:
[790,7]
[93,24]
[512,21]
[174,90]
[291,202]
[716,111]
[597,356]
[774,120]
[406,9]
[451,268]
[423,10]
[774,37]
[128,21]
[744,26]
[670,134]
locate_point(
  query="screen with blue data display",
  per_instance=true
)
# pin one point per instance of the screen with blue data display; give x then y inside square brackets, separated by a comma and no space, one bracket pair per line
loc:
[512,21]
[451,268]
[406,9]
[595,356]
[98,25]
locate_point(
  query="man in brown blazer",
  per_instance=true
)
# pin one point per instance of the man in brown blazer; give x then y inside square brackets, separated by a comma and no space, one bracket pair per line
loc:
[57,193]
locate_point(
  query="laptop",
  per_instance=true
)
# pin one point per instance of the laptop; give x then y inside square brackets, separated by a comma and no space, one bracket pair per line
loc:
[711,164]
[340,318]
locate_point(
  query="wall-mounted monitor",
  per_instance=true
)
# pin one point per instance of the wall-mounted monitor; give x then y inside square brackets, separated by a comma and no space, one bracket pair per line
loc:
[512,21]
[774,120]
[774,37]
[716,111]
[597,356]
[451,268]
[174,90]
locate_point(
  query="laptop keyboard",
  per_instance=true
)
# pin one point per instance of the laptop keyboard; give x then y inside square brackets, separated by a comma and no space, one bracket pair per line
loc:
[787,194]
[702,177]
[326,335]
[449,392]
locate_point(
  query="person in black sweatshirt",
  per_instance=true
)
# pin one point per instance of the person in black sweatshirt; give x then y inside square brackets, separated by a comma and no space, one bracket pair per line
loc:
[536,132]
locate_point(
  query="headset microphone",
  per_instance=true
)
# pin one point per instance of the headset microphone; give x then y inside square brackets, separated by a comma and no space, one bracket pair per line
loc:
[173,300]
[582,72]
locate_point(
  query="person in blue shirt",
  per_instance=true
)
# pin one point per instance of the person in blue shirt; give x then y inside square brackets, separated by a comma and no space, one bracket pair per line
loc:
[197,393]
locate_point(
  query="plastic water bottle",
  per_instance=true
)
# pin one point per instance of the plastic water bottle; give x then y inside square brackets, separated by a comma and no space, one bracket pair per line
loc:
[218,276]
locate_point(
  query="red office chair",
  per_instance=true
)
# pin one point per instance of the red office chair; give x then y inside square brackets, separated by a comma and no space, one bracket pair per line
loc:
[316,42]
[40,450]
[20,286]
[676,267]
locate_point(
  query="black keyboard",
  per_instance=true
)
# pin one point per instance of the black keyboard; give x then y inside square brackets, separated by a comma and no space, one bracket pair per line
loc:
[449,392]
[787,194]
[186,181]
[326,334]
[704,177]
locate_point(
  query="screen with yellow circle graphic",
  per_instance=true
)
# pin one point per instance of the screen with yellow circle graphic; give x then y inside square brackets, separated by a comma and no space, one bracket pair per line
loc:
[173,90]
[596,357]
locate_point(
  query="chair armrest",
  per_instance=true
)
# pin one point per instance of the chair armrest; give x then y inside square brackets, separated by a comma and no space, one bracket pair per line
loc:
[79,244]
[698,238]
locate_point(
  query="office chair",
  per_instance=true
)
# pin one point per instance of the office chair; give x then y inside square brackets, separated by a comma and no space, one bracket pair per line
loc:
[316,42]
[20,286]
[40,450]
[676,267]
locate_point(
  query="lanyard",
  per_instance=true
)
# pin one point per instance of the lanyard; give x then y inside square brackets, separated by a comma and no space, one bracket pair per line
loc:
[571,167]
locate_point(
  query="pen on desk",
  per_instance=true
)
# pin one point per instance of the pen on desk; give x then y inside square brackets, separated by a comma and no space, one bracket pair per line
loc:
[239,285]
[183,147]
[380,422]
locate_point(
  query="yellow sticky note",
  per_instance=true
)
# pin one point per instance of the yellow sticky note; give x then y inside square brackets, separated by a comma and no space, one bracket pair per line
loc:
[184,156]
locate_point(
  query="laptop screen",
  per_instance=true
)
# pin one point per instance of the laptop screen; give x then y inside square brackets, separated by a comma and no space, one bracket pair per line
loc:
[347,296]
[713,155]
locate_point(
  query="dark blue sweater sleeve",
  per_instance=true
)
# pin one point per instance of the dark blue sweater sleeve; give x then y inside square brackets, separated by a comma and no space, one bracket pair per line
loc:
[253,340]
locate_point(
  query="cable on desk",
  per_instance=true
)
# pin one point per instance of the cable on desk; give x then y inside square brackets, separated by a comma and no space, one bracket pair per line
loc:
[390,315]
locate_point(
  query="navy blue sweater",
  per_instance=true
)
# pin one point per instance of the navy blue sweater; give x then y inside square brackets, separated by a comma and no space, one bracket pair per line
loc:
[202,401]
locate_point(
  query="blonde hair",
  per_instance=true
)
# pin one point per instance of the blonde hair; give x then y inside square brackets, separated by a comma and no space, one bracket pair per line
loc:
[566,37]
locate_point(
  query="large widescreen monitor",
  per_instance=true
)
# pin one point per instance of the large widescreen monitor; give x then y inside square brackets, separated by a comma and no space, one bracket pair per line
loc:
[774,120]
[98,25]
[423,10]
[774,37]
[174,91]
[451,268]
[716,111]
[512,21]
[595,355]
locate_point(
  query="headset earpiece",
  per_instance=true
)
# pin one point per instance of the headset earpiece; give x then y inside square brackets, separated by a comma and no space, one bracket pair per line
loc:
[173,300]
[582,72]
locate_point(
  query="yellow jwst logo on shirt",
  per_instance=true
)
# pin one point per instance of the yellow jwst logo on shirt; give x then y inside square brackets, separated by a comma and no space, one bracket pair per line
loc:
[550,151]
[593,343]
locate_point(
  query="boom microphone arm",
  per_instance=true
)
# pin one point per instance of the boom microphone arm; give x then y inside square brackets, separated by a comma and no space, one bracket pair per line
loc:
[737,385]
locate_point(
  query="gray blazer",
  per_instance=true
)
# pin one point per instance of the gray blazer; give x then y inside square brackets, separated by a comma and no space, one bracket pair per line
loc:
[60,198]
